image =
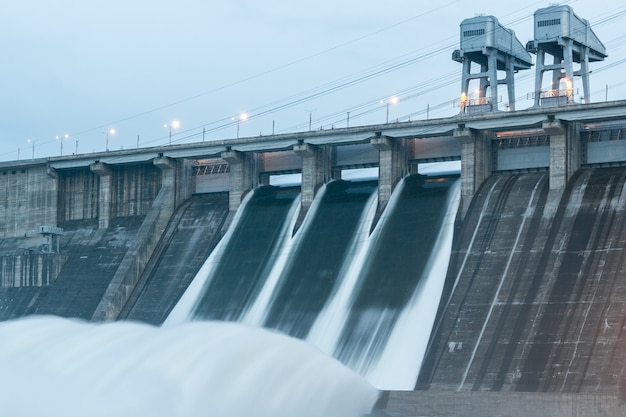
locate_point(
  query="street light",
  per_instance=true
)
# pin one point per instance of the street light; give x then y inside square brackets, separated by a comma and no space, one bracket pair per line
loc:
[392,100]
[33,142]
[310,117]
[61,139]
[241,118]
[174,125]
[107,133]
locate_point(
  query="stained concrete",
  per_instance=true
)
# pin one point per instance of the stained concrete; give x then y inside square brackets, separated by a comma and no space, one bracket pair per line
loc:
[535,299]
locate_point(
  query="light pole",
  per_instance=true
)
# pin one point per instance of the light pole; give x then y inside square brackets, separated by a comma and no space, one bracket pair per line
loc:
[392,100]
[241,118]
[310,117]
[61,139]
[33,143]
[106,134]
[174,125]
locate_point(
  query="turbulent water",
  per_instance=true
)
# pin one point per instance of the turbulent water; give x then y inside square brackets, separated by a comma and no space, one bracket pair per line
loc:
[280,321]
[57,367]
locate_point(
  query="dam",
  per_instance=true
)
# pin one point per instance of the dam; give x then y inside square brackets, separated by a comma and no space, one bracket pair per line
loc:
[530,308]
[491,291]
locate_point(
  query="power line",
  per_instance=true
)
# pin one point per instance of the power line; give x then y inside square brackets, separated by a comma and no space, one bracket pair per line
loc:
[351,80]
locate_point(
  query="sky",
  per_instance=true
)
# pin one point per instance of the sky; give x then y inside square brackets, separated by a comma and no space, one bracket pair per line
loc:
[240,68]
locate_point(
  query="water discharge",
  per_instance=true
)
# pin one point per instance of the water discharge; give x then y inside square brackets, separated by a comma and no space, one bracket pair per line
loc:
[399,365]
[368,299]
[57,367]
[330,321]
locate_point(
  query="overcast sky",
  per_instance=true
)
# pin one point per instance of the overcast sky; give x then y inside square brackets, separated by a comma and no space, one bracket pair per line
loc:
[83,67]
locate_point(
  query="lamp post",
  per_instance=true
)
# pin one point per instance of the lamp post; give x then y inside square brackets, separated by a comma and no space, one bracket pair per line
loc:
[32,141]
[390,100]
[60,138]
[241,118]
[106,134]
[174,125]
[310,117]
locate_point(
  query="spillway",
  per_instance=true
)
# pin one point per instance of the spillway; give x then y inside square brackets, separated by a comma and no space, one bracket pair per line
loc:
[192,233]
[239,273]
[341,270]
[316,265]
[340,281]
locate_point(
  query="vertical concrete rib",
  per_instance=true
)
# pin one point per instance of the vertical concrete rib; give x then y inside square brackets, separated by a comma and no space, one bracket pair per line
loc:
[391,168]
[106,189]
[564,151]
[242,174]
[315,170]
[476,161]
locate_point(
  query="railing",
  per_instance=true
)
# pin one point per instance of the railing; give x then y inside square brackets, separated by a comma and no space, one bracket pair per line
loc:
[602,135]
[211,168]
[523,141]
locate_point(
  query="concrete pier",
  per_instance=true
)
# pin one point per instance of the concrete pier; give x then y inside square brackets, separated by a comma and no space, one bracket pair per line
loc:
[476,160]
[391,168]
[315,170]
[241,175]
[104,195]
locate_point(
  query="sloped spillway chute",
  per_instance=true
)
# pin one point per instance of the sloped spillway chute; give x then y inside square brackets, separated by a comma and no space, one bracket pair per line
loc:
[398,259]
[316,264]
[245,262]
[337,282]
[191,235]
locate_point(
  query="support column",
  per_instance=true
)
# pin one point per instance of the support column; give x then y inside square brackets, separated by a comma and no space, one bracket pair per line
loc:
[52,205]
[584,73]
[168,177]
[510,82]
[315,171]
[564,152]
[476,161]
[106,189]
[493,78]
[392,166]
[242,173]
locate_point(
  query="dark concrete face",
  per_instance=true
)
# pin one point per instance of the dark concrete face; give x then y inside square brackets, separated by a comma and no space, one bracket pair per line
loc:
[535,300]
[192,234]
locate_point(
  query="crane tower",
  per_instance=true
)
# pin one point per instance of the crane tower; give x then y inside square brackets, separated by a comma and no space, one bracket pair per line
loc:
[568,39]
[485,43]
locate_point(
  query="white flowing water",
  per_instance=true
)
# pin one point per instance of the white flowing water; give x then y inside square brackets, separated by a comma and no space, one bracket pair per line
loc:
[328,325]
[399,365]
[255,315]
[57,367]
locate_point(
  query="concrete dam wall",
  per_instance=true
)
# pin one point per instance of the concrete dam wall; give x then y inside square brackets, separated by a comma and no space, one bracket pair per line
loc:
[536,289]
[534,307]
[90,257]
